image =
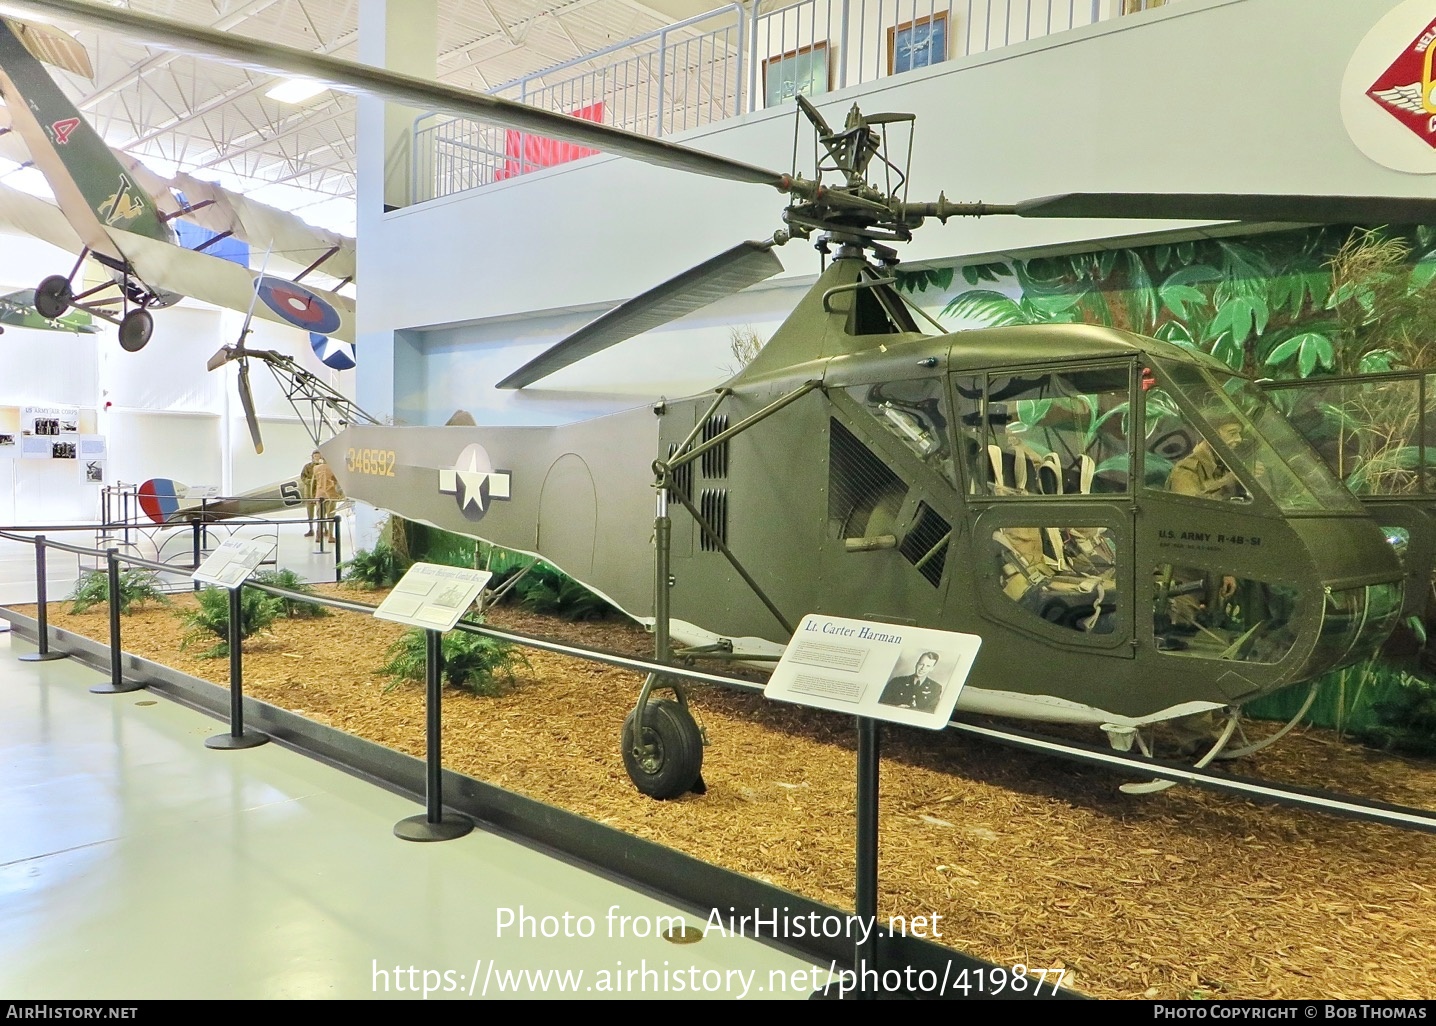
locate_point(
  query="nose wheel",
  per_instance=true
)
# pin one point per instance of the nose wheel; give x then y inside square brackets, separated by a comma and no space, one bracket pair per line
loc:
[665,756]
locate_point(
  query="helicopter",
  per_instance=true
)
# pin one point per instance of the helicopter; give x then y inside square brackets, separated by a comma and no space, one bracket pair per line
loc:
[1010,482]
[1019,483]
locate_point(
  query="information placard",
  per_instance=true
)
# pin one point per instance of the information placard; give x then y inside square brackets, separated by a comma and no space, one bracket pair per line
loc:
[886,671]
[433,596]
[233,562]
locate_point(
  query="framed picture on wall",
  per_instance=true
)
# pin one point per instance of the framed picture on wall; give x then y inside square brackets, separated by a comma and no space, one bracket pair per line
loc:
[802,71]
[917,43]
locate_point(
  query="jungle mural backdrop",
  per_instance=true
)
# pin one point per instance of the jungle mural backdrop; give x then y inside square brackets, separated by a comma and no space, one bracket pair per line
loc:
[1341,319]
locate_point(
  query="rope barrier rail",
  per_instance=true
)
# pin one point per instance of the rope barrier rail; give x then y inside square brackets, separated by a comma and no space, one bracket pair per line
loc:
[1317,799]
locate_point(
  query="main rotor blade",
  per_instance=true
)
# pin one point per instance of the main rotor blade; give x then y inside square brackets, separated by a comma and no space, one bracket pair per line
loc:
[730,271]
[246,399]
[404,89]
[1218,207]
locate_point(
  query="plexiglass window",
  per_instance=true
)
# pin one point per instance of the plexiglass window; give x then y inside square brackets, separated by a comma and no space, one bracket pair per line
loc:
[914,412]
[1047,433]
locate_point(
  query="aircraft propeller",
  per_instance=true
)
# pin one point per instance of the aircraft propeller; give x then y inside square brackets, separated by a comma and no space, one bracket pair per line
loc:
[238,352]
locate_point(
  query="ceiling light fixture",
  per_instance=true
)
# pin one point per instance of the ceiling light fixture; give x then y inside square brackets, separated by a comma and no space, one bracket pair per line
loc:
[296,90]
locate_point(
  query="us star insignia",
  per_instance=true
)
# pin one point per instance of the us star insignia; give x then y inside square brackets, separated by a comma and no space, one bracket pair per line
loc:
[474,482]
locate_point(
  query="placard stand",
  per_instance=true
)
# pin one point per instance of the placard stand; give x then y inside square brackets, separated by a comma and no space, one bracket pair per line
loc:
[865,891]
[238,737]
[229,566]
[432,597]
[873,671]
[435,824]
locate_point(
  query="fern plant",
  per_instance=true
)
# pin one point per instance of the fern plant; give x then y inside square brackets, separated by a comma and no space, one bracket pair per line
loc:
[1406,718]
[136,588]
[547,590]
[475,663]
[257,611]
[293,609]
[379,567]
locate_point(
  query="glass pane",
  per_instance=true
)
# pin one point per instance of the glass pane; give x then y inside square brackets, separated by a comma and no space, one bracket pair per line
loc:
[1200,614]
[1367,432]
[1066,576]
[1060,433]
[916,413]
[1247,436]
[971,439]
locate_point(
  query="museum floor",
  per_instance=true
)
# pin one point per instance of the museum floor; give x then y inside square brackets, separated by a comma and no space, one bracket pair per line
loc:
[137,864]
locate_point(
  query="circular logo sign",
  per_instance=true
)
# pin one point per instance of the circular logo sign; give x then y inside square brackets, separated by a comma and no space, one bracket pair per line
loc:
[1388,95]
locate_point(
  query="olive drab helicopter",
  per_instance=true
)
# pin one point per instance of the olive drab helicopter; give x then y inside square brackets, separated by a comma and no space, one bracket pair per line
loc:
[1135,532]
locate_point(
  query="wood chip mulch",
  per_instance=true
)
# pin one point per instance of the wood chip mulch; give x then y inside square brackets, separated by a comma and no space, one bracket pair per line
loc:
[1028,860]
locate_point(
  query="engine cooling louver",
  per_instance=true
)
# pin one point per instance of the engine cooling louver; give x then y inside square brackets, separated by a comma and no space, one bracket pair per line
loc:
[715,460]
[713,504]
[929,530]
[864,495]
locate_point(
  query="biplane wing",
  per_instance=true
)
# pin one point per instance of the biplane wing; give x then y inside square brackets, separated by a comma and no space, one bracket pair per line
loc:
[113,218]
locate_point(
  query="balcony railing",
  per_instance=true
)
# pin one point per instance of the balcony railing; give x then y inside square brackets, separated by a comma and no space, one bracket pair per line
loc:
[728,62]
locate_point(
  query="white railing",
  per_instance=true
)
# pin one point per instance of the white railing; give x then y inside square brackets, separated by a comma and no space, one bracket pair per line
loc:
[728,62]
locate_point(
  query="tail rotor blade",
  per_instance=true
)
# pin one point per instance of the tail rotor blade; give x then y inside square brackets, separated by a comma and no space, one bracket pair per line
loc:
[246,399]
[219,359]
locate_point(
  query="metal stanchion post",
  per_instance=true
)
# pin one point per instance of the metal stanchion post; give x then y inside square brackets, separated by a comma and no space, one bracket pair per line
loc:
[865,904]
[238,737]
[338,552]
[194,529]
[433,825]
[117,684]
[44,655]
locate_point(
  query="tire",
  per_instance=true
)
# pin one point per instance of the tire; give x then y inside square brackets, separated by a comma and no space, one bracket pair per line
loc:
[135,330]
[53,296]
[671,767]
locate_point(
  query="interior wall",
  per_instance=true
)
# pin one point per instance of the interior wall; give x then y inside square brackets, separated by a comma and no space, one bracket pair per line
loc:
[162,413]
[1255,107]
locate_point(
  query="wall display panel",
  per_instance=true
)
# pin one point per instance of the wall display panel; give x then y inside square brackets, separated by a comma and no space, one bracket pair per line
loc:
[9,432]
[50,491]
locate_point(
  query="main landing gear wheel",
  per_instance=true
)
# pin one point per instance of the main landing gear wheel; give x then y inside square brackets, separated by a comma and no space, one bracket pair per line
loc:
[665,758]
[135,330]
[53,297]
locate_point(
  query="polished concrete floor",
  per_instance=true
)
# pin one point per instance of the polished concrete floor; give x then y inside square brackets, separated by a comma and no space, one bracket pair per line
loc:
[137,864]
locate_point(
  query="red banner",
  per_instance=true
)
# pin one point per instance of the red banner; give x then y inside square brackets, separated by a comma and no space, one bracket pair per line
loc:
[524,153]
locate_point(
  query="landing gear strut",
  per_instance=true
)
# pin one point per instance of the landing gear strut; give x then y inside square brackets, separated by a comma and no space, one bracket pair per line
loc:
[55,295]
[662,745]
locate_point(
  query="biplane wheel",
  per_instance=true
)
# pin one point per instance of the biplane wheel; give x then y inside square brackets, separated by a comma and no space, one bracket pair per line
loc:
[53,296]
[666,760]
[135,330]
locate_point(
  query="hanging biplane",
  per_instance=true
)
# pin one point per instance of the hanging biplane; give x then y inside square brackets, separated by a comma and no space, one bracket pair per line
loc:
[111,217]
[1133,529]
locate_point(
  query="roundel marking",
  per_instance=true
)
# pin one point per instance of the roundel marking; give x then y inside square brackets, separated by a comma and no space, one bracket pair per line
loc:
[297,305]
